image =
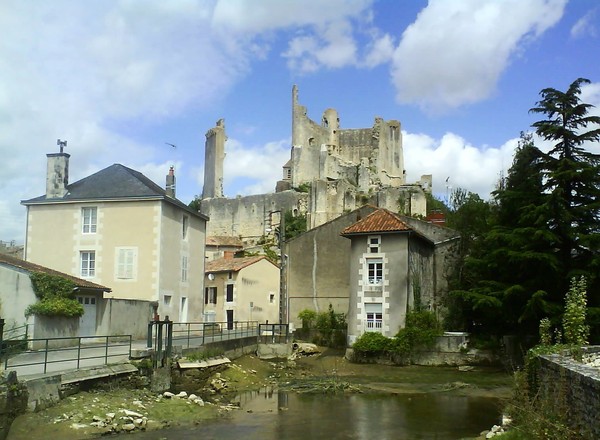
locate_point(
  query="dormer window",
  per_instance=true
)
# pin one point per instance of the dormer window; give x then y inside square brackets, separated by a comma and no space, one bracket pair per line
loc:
[374,242]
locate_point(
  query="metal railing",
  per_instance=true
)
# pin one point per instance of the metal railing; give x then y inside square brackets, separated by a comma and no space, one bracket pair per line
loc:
[273,333]
[13,340]
[194,334]
[69,353]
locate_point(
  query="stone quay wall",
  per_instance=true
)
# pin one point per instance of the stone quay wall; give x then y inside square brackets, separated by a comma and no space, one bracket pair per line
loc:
[563,378]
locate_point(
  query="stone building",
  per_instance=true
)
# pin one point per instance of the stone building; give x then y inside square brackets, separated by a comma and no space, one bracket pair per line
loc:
[117,227]
[331,171]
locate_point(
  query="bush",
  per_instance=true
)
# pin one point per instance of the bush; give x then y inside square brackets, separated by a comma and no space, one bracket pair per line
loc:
[421,330]
[372,344]
[307,317]
[56,296]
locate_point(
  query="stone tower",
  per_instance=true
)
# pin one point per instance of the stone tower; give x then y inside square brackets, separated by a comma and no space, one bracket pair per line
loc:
[214,157]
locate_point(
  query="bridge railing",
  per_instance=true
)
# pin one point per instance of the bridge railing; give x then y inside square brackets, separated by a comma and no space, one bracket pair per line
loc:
[70,352]
[273,333]
[193,334]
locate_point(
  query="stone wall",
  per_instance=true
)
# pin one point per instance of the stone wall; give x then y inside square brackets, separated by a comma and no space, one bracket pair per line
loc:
[250,217]
[562,378]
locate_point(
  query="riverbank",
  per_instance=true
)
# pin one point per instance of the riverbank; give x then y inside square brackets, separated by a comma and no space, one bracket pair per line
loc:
[93,413]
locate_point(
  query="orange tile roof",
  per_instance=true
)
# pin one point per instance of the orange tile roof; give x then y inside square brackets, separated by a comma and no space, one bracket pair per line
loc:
[32,267]
[380,220]
[233,264]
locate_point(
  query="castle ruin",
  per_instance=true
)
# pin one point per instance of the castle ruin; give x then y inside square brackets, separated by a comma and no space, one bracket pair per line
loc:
[331,171]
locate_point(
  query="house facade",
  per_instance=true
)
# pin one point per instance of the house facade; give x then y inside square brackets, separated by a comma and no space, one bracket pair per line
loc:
[118,227]
[395,263]
[241,289]
[317,267]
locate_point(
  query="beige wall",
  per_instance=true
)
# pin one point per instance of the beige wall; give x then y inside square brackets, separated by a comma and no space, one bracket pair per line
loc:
[253,284]
[151,229]
[16,293]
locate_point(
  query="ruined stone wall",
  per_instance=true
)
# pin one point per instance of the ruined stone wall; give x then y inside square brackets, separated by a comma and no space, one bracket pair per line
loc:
[249,217]
[214,157]
[564,380]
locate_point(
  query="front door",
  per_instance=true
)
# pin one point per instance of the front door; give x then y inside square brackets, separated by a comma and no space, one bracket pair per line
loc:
[87,322]
[229,319]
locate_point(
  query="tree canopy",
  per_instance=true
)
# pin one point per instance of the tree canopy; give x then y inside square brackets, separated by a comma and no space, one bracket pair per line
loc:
[543,225]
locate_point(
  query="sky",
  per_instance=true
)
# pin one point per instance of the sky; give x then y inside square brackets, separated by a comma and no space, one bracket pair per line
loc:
[119,80]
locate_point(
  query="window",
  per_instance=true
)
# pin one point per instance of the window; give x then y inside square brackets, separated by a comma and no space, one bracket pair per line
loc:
[375,270]
[210,295]
[184,226]
[167,300]
[88,264]
[184,269]
[126,263]
[229,293]
[271,298]
[88,220]
[374,242]
[374,316]
[230,275]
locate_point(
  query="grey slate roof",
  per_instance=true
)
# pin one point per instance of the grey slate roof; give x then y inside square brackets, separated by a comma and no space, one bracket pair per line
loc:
[116,182]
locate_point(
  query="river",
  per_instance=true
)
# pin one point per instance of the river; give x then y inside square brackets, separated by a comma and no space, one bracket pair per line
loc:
[272,415]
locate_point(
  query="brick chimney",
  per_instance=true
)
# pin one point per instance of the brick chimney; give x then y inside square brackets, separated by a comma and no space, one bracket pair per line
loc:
[170,187]
[57,173]
[228,255]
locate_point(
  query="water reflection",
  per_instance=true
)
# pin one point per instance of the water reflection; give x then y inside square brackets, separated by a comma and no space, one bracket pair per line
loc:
[270,414]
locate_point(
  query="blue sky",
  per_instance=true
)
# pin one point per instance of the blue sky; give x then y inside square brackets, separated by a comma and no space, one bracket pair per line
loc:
[118,79]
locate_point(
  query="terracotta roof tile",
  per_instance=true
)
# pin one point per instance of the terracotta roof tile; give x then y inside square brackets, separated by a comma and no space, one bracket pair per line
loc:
[381,220]
[32,267]
[232,264]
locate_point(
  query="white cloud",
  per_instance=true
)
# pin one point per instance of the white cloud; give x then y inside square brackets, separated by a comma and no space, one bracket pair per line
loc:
[586,25]
[455,51]
[258,167]
[475,169]
[379,51]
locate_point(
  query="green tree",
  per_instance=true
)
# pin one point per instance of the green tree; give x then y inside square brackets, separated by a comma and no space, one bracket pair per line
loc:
[511,269]
[572,177]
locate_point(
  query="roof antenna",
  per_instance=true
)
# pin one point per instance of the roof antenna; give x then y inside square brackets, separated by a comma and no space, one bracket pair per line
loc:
[61,144]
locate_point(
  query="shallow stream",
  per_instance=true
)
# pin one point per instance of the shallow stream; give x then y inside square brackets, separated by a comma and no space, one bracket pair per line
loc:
[271,415]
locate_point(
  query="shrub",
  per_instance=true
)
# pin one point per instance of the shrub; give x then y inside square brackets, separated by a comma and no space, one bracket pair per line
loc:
[372,344]
[307,317]
[421,330]
[56,296]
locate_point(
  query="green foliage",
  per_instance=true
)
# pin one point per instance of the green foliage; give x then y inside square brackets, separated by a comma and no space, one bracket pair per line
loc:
[308,318]
[545,332]
[576,331]
[372,344]
[56,296]
[270,254]
[294,225]
[421,330]
[303,187]
[331,328]
[205,354]
[542,228]
[195,204]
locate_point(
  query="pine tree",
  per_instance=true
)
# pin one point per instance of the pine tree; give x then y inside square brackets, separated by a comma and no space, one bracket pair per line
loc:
[572,177]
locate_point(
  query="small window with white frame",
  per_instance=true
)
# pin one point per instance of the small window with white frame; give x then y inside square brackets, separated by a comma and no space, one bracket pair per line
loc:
[89,220]
[375,270]
[374,243]
[374,317]
[87,261]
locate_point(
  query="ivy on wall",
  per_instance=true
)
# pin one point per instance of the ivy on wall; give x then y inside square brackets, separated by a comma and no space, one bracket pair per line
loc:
[56,296]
